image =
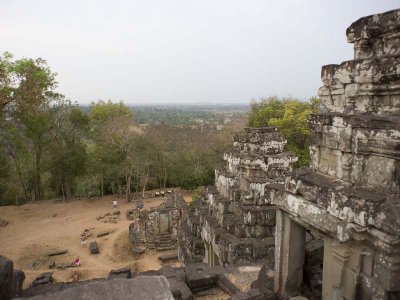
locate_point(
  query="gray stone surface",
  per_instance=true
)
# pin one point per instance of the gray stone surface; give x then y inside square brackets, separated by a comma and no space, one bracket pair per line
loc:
[351,191]
[18,281]
[138,288]
[232,222]
[6,278]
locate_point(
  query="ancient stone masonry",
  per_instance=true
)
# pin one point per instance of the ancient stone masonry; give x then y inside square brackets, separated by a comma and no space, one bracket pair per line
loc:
[156,229]
[233,222]
[351,192]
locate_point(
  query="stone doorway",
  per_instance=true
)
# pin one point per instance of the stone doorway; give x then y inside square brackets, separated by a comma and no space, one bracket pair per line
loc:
[298,259]
[313,265]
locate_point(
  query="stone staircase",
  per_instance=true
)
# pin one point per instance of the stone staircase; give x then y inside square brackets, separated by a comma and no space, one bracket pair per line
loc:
[165,242]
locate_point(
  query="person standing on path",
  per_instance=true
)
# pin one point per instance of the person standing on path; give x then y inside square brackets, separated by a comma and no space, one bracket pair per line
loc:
[115,204]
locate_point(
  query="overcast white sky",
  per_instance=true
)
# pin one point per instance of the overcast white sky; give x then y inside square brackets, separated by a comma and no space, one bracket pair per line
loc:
[183,51]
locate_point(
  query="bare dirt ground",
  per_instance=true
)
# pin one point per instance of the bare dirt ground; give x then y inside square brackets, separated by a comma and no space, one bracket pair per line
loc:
[35,229]
[187,195]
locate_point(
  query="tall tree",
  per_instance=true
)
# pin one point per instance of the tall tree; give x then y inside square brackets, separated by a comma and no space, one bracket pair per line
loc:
[112,127]
[27,91]
[66,148]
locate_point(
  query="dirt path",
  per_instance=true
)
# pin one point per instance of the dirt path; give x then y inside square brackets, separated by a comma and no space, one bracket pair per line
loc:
[35,229]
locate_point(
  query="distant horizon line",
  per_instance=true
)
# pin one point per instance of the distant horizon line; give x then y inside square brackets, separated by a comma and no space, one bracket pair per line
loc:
[173,103]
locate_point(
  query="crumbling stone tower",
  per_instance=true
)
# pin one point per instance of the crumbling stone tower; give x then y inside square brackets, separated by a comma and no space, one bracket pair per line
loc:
[351,192]
[233,222]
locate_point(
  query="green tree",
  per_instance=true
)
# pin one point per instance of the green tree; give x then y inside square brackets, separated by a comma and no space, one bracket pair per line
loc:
[67,150]
[27,92]
[112,128]
[290,117]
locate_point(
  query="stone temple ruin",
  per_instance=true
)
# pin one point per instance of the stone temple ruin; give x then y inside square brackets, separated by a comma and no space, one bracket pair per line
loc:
[156,229]
[334,228]
[233,222]
[330,231]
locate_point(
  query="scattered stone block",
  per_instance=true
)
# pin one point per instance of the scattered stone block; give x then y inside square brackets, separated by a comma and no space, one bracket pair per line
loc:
[130,214]
[43,278]
[165,258]
[226,285]
[200,277]
[120,273]
[138,251]
[265,279]
[94,248]
[57,252]
[103,233]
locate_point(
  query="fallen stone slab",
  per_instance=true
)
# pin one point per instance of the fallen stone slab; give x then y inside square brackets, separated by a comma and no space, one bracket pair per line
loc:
[165,258]
[103,233]
[63,266]
[226,285]
[43,278]
[94,248]
[120,273]
[57,252]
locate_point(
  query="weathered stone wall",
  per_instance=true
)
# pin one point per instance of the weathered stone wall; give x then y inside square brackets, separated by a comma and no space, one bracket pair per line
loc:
[351,192]
[349,195]
[233,222]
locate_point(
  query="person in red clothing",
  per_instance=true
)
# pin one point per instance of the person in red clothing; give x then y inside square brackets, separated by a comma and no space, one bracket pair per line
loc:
[77,261]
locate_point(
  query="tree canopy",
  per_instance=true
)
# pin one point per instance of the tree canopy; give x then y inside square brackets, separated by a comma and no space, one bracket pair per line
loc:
[51,147]
[289,115]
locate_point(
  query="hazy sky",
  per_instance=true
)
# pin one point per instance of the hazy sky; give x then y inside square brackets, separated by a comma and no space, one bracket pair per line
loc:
[170,51]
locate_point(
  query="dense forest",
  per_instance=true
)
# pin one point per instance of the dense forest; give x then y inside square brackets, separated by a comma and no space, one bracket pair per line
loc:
[187,114]
[51,147]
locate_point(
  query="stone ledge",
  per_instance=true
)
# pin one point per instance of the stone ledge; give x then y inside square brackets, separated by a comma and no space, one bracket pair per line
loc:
[373,26]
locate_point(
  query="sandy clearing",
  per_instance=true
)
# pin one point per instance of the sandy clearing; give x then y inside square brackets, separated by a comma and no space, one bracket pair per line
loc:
[35,229]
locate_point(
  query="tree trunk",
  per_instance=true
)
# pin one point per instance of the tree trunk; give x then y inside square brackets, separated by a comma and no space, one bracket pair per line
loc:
[68,190]
[21,180]
[102,185]
[165,173]
[145,181]
[38,176]
[62,188]
[112,188]
[128,183]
